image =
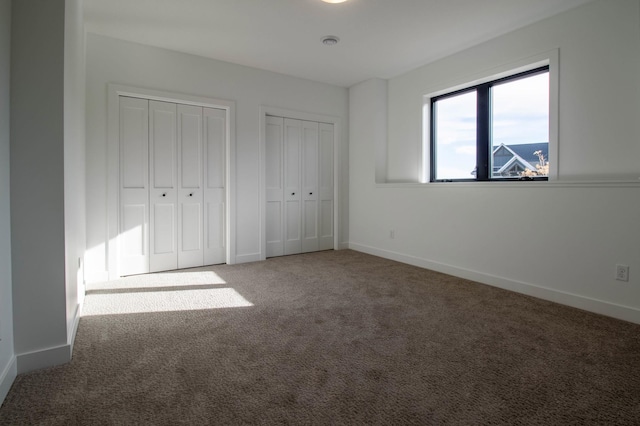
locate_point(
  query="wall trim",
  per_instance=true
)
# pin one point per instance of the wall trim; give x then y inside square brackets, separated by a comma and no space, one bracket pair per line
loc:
[96,276]
[246,258]
[43,358]
[7,377]
[601,307]
[73,327]
[624,182]
[337,143]
[113,162]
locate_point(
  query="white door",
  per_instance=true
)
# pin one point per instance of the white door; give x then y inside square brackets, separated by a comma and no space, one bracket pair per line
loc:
[172,186]
[134,186]
[274,187]
[163,194]
[292,196]
[215,136]
[325,187]
[309,181]
[299,186]
[190,187]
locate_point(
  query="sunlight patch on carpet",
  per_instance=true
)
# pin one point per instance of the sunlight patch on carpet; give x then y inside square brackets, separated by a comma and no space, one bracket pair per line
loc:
[163,301]
[161,279]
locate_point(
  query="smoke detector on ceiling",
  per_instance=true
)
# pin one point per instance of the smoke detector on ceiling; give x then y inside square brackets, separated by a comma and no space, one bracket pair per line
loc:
[330,40]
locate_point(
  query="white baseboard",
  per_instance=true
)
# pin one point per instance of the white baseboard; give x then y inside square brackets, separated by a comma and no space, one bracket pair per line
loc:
[602,307]
[7,377]
[96,276]
[44,358]
[246,258]
[73,327]
[51,356]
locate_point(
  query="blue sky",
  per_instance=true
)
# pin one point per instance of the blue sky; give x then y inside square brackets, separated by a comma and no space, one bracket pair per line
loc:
[520,111]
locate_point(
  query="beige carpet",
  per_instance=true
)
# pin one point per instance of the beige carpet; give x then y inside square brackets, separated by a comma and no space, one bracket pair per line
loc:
[332,338]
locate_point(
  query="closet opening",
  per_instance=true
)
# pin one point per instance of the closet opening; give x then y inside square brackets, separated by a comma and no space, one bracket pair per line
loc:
[169,182]
[299,208]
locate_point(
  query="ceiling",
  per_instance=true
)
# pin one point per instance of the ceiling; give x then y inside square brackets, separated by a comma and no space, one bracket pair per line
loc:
[378,38]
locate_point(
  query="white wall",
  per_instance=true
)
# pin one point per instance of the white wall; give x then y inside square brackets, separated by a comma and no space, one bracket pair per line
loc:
[45,295]
[7,358]
[74,161]
[114,61]
[368,123]
[558,241]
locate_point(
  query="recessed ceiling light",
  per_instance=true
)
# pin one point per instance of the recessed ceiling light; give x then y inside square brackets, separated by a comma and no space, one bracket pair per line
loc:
[330,40]
[334,1]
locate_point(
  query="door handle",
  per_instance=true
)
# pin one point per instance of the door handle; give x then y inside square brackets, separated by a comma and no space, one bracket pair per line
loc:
[311,193]
[293,193]
[164,194]
[191,194]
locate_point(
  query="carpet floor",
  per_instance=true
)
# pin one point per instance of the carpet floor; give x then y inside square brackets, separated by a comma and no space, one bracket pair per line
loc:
[336,337]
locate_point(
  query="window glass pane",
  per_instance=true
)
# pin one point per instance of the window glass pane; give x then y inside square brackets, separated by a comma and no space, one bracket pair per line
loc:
[455,137]
[520,127]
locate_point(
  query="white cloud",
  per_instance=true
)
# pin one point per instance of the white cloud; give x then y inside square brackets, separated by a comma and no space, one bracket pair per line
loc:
[466,149]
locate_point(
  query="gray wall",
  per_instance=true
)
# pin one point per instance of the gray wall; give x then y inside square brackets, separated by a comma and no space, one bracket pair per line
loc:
[37,174]
[7,364]
[47,169]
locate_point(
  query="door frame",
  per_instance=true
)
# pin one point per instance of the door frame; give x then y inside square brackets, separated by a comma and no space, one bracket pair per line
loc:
[113,163]
[304,116]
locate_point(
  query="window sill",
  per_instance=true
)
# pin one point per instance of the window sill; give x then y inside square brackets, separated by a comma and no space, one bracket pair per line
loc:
[565,183]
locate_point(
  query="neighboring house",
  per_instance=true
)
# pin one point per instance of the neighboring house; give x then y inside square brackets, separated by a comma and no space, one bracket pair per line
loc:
[512,160]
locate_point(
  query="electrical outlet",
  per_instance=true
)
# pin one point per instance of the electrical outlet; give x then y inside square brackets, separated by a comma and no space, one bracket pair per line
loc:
[622,273]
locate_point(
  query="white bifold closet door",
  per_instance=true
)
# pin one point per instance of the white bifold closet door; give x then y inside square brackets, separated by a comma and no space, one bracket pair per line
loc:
[190,191]
[299,186]
[134,186]
[163,192]
[215,195]
[172,192]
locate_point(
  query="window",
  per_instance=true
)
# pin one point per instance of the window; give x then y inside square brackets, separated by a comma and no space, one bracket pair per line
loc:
[494,131]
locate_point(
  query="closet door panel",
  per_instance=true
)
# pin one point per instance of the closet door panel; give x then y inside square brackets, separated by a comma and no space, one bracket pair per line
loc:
[292,194]
[326,187]
[162,136]
[326,225]
[190,187]
[275,244]
[215,234]
[309,156]
[190,146]
[134,186]
[215,136]
[274,186]
[191,228]
[134,143]
[163,186]
[134,237]
[163,236]
[215,131]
